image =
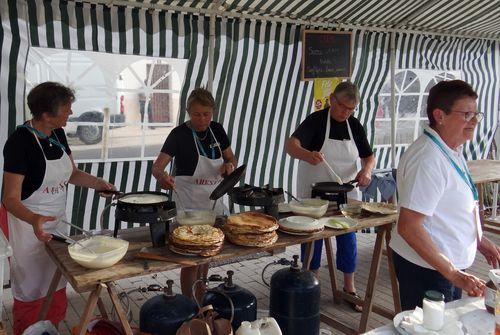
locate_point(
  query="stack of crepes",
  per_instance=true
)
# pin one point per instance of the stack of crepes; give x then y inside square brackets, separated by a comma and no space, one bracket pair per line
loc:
[251,229]
[199,240]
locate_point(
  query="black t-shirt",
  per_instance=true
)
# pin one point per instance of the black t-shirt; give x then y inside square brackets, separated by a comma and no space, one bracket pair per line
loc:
[22,155]
[311,132]
[180,144]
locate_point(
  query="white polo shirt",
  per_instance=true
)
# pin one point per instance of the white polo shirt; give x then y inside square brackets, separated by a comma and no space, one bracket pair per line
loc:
[428,183]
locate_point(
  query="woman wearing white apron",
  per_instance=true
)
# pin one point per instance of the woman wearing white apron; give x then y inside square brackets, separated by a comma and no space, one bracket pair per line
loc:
[37,169]
[342,143]
[202,154]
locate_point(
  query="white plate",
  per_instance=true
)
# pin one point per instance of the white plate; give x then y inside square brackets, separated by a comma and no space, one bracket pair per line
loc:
[296,232]
[397,321]
[301,223]
[379,208]
[399,317]
[348,221]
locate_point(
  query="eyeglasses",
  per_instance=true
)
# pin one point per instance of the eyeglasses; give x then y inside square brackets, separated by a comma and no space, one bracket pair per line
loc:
[469,115]
[344,106]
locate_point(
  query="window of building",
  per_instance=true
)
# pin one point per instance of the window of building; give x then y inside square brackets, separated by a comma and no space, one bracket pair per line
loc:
[125,105]
[412,88]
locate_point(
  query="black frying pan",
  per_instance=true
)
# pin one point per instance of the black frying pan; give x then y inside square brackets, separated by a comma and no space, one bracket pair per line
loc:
[228,182]
[333,187]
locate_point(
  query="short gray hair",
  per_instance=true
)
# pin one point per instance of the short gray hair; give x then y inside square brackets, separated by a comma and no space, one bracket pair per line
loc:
[347,89]
[201,96]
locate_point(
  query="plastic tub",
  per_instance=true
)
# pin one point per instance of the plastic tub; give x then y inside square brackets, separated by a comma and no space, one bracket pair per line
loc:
[108,251]
[192,217]
[315,208]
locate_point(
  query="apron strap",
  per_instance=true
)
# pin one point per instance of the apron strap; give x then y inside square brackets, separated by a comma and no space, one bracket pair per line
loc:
[217,143]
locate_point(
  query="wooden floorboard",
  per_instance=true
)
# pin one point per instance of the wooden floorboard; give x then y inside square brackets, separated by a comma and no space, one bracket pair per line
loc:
[248,275]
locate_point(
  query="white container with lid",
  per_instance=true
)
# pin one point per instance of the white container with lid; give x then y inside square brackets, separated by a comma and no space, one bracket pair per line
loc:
[264,326]
[268,326]
[5,251]
[246,328]
[433,307]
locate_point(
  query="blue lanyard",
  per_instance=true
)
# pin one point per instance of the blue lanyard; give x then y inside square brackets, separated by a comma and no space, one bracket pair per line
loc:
[198,142]
[465,174]
[45,137]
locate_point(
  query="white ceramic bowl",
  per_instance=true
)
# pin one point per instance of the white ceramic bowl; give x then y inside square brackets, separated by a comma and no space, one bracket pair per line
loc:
[108,251]
[192,217]
[315,208]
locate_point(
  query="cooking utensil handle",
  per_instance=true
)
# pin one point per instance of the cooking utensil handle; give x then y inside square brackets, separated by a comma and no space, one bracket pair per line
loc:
[110,192]
[293,197]
[75,241]
[339,180]
[59,238]
[85,232]
[179,200]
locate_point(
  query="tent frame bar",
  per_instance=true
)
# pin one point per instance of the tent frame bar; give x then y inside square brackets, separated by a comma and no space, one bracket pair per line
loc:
[311,22]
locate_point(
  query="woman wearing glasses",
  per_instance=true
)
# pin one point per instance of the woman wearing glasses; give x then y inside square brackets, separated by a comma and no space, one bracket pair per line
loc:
[439,229]
[334,135]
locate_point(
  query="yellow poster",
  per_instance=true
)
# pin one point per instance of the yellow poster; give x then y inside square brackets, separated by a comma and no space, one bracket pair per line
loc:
[323,87]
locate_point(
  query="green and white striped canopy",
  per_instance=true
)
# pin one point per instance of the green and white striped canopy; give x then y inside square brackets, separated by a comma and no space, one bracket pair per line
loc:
[473,18]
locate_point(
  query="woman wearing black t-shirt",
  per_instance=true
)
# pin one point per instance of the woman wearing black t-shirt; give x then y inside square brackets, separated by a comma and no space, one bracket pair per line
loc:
[37,168]
[202,155]
[335,136]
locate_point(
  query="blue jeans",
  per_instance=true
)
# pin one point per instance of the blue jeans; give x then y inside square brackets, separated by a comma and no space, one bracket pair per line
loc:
[414,280]
[346,256]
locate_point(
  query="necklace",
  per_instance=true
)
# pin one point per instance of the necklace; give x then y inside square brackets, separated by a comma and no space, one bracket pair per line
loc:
[196,133]
[43,136]
[204,137]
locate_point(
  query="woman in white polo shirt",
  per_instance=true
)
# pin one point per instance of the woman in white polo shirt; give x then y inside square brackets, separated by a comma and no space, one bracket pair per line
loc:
[438,229]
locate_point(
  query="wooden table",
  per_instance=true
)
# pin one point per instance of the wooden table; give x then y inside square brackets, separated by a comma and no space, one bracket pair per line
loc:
[485,171]
[85,280]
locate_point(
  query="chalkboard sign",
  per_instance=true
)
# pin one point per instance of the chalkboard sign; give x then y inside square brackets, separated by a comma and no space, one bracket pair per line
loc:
[326,54]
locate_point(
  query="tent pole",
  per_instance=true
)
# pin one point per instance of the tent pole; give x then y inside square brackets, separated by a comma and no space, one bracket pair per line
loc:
[392,51]
[211,48]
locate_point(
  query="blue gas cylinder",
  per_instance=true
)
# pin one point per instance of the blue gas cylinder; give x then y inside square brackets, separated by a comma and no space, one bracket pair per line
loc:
[244,302]
[165,313]
[295,299]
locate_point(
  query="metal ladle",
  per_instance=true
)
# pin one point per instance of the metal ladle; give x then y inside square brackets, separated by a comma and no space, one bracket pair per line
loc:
[76,242]
[183,208]
[294,198]
[85,232]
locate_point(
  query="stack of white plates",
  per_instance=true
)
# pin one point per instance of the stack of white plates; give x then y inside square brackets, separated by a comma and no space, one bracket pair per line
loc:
[300,225]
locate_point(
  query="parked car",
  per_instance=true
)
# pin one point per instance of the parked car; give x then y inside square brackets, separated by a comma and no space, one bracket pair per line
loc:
[96,88]
[92,134]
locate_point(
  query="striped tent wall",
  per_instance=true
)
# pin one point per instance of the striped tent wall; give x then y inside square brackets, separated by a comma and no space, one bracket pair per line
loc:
[257,85]
[86,208]
[13,41]
[259,95]
[479,62]
[81,26]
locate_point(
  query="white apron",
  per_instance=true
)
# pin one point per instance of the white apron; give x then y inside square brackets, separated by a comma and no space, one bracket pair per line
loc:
[343,157]
[31,268]
[194,191]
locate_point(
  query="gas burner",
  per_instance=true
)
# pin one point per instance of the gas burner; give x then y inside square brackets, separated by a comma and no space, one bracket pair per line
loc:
[266,196]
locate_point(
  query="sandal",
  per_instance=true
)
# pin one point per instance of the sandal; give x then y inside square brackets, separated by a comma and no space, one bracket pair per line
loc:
[356,308]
